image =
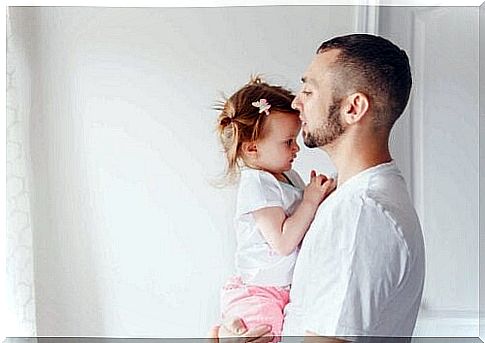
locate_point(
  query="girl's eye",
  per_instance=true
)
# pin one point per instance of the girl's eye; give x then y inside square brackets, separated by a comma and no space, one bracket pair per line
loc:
[306,92]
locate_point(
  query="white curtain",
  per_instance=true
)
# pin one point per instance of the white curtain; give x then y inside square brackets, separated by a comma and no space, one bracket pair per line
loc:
[20,276]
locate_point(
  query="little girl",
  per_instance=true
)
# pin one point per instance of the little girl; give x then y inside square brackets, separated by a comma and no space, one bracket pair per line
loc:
[258,130]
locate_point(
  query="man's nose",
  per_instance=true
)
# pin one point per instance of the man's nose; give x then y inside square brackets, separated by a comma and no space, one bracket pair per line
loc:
[297,147]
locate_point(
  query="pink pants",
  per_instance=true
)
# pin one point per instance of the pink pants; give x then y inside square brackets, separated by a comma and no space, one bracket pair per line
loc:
[255,305]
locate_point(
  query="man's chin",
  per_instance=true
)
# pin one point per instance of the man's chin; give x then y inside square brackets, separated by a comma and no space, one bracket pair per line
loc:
[306,139]
[309,143]
[312,144]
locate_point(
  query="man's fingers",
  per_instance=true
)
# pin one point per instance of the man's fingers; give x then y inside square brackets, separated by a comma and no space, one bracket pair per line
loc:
[254,335]
[258,331]
[263,339]
[257,334]
[214,334]
[312,175]
[235,325]
[226,336]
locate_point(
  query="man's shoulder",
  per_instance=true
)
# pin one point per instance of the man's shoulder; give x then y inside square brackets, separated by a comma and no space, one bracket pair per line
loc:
[377,195]
[386,192]
[363,207]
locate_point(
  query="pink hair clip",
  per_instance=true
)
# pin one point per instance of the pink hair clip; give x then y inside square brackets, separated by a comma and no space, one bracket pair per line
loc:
[263,106]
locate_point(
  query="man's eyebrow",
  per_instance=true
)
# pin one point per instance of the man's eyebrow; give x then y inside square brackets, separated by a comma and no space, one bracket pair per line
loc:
[305,79]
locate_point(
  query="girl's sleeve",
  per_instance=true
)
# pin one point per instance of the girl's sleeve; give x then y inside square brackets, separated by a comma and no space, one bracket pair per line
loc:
[257,190]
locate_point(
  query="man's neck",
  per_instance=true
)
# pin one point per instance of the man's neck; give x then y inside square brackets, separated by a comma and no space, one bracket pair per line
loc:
[350,161]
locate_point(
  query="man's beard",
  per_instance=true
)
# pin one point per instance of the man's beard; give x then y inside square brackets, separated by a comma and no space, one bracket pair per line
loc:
[328,132]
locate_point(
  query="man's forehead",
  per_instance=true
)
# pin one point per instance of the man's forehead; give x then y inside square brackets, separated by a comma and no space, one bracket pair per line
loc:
[320,66]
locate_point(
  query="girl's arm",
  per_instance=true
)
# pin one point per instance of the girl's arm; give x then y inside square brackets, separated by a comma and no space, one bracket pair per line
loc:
[285,233]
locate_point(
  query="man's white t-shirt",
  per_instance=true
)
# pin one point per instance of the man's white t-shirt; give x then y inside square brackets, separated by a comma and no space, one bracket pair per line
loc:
[361,266]
[256,262]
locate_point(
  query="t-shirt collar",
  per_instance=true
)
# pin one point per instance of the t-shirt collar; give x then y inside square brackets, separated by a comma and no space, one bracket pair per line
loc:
[366,173]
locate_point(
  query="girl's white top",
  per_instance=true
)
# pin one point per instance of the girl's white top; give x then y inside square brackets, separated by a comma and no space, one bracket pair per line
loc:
[256,262]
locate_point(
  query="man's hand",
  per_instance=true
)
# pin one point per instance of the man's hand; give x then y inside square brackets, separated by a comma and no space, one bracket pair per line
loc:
[234,331]
[311,337]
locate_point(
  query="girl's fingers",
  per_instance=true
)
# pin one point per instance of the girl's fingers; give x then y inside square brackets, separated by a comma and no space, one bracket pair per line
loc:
[312,175]
[329,184]
[320,179]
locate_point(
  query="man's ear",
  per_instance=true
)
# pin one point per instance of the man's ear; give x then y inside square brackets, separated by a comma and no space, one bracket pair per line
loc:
[355,107]
[249,149]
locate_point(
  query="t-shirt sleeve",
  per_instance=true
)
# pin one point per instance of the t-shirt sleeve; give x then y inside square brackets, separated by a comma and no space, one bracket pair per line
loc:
[372,271]
[257,190]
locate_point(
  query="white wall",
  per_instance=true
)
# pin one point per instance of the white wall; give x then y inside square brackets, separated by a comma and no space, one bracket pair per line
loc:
[442,134]
[20,287]
[130,237]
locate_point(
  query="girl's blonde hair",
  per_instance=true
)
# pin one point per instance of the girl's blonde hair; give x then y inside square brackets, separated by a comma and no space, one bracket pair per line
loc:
[239,120]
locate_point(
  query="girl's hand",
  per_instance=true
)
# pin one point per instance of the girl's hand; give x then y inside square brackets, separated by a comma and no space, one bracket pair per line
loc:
[318,189]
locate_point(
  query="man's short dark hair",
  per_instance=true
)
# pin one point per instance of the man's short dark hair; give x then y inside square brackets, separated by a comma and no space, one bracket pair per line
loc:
[376,67]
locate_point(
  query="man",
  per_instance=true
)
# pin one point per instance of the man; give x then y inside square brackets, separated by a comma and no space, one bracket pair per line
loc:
[361,270]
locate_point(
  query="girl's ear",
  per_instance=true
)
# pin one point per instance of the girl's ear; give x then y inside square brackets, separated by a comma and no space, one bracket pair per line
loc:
[249,149]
